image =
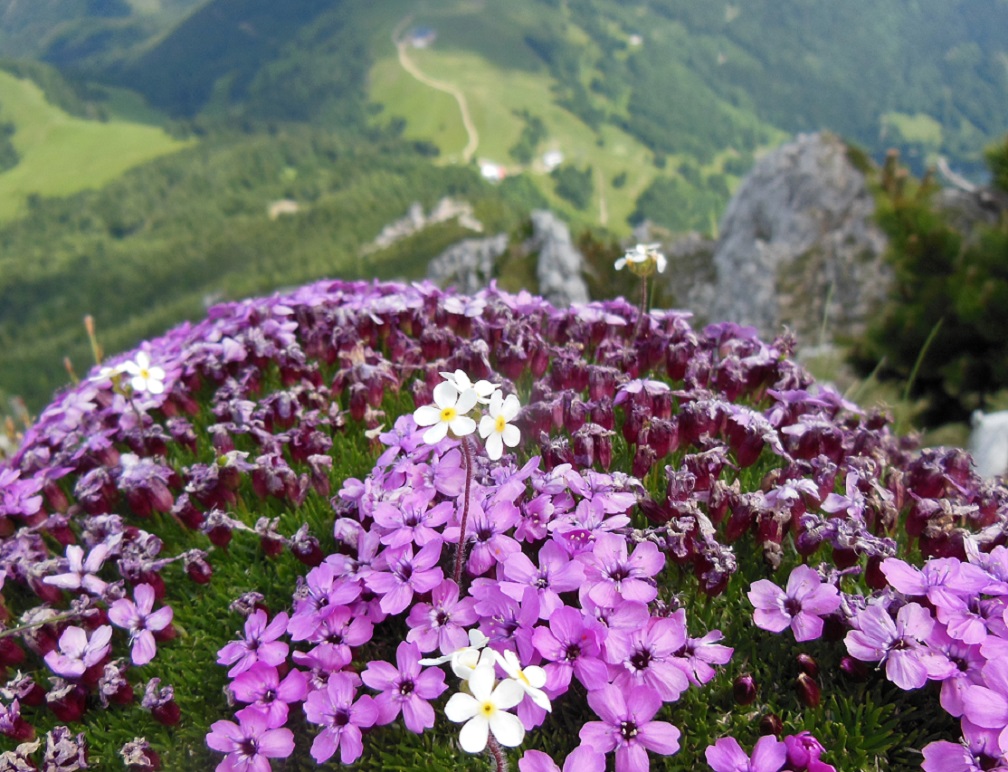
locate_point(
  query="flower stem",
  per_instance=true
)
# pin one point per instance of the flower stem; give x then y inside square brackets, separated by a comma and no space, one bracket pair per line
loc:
[460,554]
[643,306]
[498,754]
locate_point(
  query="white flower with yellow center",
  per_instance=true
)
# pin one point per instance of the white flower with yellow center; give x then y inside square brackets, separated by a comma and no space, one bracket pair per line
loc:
[461,381]
[143,375]
[484,710]
[448,413]
[465,660]
[643,260]
[495,427]
[531,679]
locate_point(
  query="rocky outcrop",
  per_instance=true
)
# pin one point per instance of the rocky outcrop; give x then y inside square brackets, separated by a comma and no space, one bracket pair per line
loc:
[560,266]
[798,246]
[468,265]
[415,221]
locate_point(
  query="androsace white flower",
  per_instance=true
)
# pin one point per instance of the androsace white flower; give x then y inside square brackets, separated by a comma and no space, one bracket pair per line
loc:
[461,381]
[484,710]
[643,259]
[447,413]
[531,679]
[495,429]
[143,375]
[464,660]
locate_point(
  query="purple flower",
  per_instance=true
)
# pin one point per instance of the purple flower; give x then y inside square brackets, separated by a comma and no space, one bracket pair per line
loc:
[412,519]
[987,706]
[571,645]
[615,577]
[341,629]
[141,622]
[261,686]
[943,756]
[407,574]
[699,654]
[945,581]
[342,719]
[803,751]
[726,755]
[439,624]
[407,689]
[801,606]
[77,652]
[81,574]
[249,744]
[647,656]
[899,644]
[260,644]
[852,503]
[555,573]
[626,726]
[584,758]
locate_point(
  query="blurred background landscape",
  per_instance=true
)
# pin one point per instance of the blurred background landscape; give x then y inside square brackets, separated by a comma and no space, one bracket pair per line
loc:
[158,156]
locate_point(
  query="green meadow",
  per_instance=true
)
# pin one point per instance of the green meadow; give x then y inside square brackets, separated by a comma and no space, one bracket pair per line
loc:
[480,52]
[60,154]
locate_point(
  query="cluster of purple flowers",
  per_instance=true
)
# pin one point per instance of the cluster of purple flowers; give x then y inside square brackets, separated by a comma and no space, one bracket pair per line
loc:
[641,439]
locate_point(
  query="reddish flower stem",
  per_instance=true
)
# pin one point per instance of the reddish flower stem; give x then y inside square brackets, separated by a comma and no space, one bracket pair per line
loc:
[460,554]
[643,306]
[498,754]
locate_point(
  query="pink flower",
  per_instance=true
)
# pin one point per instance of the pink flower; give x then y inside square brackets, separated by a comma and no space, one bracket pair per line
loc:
[141,623]
[250,744]
[801,606]
[726,755]
[259,644]
[77,652]
[341,717]
[82,574]
[627,728]
[405,689]
[899,644]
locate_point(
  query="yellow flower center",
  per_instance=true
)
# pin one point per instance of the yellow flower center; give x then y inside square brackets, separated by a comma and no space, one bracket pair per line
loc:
[500,424]
[449,414]
[488,709]
[523,677]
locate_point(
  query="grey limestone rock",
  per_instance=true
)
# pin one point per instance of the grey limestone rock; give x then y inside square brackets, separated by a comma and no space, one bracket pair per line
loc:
[560,265]
[469,264]
[798,246]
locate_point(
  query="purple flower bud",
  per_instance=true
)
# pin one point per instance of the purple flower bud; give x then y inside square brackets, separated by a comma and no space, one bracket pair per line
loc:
[808,691]
[854,669]
[807,665]
[771,724]
[744,689]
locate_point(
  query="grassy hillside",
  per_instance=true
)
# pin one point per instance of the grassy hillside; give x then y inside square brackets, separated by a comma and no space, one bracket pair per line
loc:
[167,238]
[60,154]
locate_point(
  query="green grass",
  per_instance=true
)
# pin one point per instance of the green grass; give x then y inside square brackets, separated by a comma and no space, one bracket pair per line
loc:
[480,51]
[60,154]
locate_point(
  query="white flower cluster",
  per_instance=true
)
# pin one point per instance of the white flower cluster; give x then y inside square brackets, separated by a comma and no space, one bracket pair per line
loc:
[643,260]
[482,703]
[455,397]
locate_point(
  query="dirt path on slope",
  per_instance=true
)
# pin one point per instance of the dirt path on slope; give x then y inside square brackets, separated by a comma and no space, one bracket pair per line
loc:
[402,46]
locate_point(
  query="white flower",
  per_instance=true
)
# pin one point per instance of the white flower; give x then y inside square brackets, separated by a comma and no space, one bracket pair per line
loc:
[449,413]
[465,660]
[531,679]
[461,381]
[144,376]
[485,711]
[643,259]
[495,429]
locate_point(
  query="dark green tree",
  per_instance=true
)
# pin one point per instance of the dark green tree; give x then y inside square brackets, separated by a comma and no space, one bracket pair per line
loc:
[943,331]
